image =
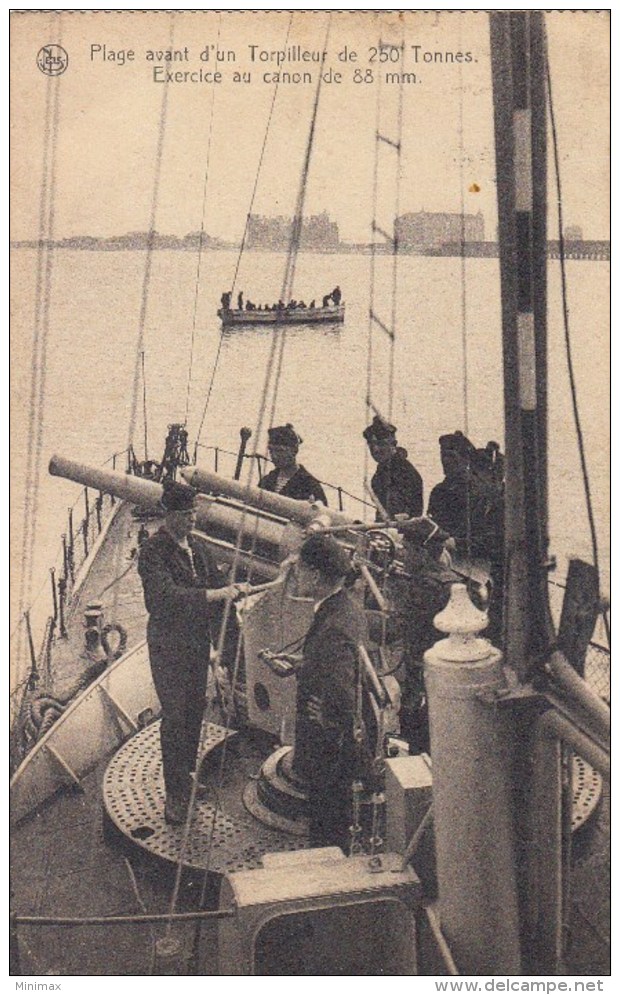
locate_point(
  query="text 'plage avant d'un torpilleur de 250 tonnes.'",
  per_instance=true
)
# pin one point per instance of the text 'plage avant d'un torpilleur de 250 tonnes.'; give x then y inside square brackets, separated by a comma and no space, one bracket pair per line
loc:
[406,64]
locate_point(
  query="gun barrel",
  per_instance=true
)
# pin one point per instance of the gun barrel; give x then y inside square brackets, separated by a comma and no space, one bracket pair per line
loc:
[224,521]
[146,493]
[301,512]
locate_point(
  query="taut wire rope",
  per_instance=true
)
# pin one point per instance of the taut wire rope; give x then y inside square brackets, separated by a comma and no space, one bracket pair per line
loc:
[144,410]
[392,145]
[241,246]
[289,275]
[567,339]
[146,282]
[150,245]
[271,364]
[205,184]
[463,273]
[43,282]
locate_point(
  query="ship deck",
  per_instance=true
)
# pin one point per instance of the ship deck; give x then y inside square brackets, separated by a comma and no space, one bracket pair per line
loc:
[68,859]
[111,579]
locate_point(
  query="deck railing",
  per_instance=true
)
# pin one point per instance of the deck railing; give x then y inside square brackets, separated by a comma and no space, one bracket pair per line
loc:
[81,535]
[45,619]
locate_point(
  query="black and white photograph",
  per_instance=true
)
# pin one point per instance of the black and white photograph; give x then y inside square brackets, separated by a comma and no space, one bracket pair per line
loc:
[310,637]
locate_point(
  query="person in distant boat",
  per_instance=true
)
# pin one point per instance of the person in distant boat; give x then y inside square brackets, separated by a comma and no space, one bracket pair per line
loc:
[226,296]
[331,738]
[336,296]
[289,477]
[312,303]
[240,300]
[396,483]
[326,300]
[182,591]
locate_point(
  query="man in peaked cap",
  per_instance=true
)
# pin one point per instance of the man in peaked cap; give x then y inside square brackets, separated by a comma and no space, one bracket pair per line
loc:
[182,588]
[396,483]
[327,756]
[289,477]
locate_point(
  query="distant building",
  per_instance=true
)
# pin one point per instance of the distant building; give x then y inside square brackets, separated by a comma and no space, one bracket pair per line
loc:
[318,233]
[573,233]
[427,231]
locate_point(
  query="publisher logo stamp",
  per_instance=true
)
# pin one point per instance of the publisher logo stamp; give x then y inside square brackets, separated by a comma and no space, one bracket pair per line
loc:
[52,60]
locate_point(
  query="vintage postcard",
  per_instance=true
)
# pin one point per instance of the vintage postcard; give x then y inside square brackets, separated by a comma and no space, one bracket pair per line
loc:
[310,492]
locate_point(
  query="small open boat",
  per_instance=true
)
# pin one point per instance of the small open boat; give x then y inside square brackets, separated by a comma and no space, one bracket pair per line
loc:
[283,316]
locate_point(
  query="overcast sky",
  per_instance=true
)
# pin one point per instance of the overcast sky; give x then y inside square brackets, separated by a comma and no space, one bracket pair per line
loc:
[108,118]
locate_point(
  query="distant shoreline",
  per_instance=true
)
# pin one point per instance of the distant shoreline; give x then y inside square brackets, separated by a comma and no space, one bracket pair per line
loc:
[588,249]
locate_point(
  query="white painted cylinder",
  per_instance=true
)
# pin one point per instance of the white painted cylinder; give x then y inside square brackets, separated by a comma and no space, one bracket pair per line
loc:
[471,756]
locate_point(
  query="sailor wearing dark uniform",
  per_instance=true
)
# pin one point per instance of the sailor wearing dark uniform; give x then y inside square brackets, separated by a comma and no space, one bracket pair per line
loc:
[182,588]
[468,502]
[396,484]
[469,505]
[327,756]
[289,477]
[424,591]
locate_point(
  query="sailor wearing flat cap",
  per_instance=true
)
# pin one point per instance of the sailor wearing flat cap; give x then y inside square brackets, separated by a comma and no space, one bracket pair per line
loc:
[327,756]
[182,589]
[289,477]
[396,484]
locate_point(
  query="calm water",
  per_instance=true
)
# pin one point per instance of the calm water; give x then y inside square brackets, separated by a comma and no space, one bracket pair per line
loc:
[91,356]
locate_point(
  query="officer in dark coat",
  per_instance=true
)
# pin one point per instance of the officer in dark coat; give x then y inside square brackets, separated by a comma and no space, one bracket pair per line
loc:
[396,483]
[182,589]
[289,477]
[327,755]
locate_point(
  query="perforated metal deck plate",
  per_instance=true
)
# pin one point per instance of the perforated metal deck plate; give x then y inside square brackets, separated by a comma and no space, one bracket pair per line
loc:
[134,798]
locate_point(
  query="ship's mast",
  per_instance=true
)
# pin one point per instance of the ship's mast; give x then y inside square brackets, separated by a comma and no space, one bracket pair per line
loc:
[519,91]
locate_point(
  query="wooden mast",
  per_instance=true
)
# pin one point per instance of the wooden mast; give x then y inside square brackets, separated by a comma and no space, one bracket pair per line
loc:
[519,87]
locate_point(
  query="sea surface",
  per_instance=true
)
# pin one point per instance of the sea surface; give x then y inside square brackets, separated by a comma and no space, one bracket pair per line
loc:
[445,373]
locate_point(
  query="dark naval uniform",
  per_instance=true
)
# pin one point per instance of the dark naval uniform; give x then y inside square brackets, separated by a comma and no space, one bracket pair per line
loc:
[325,753]
[398,486]
[452,504]
[302,486]
[179,640]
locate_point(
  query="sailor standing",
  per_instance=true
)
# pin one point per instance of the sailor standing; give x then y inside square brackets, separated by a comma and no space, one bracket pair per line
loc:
[182,588]
[329,735]
[396,484]
[289,477]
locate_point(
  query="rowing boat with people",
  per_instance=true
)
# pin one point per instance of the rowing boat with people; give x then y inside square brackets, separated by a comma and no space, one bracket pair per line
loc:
[282,316]
[464,862]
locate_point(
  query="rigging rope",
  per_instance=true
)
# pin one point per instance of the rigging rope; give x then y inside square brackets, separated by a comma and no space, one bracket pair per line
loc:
[391,145]
[289,274]
[36,414]
[567,338]
[396,255]
[202,232]
[468,489]
[150,245]
[146,440]
[242,245]
[146,281]
[272,361]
